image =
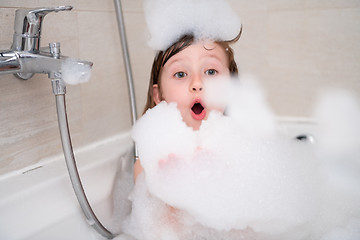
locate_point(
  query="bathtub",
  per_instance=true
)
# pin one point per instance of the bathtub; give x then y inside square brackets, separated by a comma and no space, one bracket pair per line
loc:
[39,202]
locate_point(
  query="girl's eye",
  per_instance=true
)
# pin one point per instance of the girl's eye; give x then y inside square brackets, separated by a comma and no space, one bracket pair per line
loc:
[180,75]
[210,72]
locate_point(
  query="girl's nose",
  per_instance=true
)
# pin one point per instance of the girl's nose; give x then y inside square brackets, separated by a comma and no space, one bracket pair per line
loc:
[197,89]
[196,84]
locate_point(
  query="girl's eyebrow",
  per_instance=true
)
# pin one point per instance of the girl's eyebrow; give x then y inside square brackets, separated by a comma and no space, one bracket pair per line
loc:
[172,61]
[176,61]
[177,58]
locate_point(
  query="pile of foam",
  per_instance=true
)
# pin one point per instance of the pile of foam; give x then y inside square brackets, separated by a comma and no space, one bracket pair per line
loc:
[238,178]
[167,20]
[74,71]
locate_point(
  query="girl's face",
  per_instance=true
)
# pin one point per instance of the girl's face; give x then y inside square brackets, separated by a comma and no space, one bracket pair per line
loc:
[182,80]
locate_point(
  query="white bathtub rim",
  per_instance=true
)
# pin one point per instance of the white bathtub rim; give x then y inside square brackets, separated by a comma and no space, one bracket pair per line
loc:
[126,136]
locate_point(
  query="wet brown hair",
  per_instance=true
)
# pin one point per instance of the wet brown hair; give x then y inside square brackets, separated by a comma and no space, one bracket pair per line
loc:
[162,57]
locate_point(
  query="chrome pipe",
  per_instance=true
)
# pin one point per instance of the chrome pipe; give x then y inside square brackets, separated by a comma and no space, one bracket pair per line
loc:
[126,56]
[9,62]
[59,90]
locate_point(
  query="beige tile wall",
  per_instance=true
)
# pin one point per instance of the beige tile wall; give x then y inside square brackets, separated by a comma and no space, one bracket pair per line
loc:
[296,48]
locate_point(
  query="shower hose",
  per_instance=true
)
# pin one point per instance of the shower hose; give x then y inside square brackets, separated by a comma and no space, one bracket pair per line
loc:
[59,89]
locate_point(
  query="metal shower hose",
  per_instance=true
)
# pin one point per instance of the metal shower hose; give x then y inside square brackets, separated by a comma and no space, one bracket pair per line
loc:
[59,89]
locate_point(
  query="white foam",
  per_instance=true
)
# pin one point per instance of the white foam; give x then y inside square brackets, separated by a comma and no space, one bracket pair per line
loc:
[338,147]
[338,115]
[167,20]
[244,101]
[75,72]
[235,179]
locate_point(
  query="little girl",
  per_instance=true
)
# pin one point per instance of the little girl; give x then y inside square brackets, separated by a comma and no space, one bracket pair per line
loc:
[178,75]
[190,48]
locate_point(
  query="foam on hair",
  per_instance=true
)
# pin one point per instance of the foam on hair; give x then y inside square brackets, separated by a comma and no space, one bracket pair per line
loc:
[168,20]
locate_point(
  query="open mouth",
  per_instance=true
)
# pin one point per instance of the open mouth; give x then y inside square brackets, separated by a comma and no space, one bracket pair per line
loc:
[198,111]
[197,108]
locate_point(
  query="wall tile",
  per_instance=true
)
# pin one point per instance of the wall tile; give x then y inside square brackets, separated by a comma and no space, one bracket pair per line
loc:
[28,120]
[309,4]
[141,55]
[108,5]
[35,3]
[7,30]
[244,5]
[105,97]
[313,50]
[253,43]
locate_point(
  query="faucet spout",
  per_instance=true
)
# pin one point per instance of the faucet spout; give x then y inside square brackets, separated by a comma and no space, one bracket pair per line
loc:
[44,62]
[9,63]
[25,64]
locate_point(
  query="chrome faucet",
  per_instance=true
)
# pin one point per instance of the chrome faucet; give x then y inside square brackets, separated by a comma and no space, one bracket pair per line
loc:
[25,58]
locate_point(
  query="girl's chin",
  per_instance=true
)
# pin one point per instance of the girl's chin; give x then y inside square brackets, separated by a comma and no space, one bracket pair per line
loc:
[194,124]
[196,128]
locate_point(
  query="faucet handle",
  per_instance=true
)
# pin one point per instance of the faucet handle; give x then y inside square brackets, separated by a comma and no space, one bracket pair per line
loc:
[43,11]
[28,21]
[28,25]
